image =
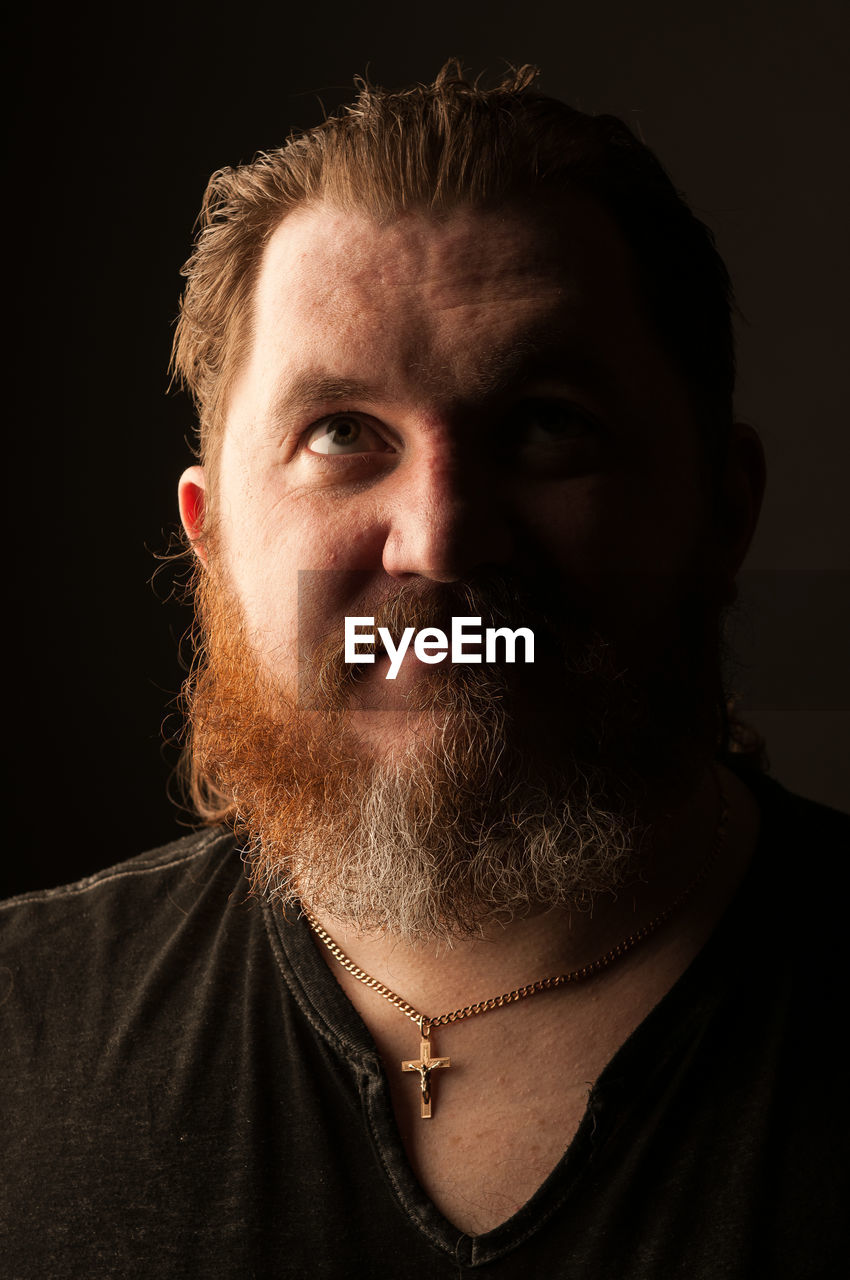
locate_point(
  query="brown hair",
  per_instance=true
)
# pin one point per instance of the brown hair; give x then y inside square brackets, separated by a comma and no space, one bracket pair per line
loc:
[435,146]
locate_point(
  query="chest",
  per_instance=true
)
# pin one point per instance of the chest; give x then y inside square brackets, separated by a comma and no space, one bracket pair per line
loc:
[503,1112]
[481,1173]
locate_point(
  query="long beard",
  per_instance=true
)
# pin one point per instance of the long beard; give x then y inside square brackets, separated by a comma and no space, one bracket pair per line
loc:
[514,790]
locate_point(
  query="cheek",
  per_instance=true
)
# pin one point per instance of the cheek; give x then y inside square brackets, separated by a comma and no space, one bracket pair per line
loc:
[641,522]
[618,544]
[596,526]
[297,564]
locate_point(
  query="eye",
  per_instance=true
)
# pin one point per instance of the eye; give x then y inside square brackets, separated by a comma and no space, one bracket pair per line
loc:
[553,422]
[344,433]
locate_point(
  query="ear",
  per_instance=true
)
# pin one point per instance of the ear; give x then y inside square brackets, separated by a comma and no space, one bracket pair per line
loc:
[740,499]
[191,497]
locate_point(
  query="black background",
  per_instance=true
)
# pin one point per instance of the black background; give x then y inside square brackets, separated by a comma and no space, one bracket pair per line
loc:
[116,120]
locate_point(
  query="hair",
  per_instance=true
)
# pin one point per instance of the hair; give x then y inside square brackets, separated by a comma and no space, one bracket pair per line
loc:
[434,147]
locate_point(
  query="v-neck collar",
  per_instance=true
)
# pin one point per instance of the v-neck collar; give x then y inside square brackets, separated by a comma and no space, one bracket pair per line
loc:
[613,1100]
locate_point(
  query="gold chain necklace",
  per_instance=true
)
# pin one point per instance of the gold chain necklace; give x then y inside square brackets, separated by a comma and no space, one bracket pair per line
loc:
[425,1064]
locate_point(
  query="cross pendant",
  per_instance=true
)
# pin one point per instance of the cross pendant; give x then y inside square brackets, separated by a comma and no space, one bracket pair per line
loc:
[425,1064]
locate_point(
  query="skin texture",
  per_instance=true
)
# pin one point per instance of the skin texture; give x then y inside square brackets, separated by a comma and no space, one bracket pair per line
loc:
[515,410]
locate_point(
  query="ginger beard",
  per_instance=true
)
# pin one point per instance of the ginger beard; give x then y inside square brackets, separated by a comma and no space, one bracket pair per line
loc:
[516,789]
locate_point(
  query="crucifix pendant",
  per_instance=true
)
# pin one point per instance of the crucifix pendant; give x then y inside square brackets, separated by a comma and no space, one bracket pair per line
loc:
[425,1064]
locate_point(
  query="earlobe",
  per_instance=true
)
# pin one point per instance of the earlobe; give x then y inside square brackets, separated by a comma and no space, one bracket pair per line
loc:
[191,498]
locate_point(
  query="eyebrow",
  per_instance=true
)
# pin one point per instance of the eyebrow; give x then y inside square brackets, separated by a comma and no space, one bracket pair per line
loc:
[317,386]
[545,354]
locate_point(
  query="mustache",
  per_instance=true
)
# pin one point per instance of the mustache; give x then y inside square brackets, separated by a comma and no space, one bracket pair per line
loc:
[563,630]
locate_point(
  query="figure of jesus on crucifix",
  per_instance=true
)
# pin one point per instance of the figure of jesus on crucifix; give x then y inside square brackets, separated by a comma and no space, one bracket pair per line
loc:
[425,1064]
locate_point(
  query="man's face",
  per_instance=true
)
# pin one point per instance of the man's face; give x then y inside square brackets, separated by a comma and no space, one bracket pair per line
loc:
[427,399]
[431,403]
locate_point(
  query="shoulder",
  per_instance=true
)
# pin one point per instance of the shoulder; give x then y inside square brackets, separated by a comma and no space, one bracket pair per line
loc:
[151,866]
[790,901]
[114,958]
[116,901]
[793,821]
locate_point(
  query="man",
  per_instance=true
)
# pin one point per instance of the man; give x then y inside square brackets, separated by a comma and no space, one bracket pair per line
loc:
[504,968]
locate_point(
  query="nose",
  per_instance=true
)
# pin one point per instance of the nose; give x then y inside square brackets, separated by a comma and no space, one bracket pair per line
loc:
[448,518]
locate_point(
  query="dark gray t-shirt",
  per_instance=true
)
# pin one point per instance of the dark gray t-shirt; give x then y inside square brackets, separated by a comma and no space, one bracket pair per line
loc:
[186,1091]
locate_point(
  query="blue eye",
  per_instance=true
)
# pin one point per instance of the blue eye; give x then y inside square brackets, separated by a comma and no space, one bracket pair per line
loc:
[344,433]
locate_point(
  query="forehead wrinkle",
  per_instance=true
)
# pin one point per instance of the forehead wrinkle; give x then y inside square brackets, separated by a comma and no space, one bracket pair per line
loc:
[544,351]
[418,360]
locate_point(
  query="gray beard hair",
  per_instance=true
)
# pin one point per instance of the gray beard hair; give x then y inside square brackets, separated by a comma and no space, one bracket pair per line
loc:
[409,860]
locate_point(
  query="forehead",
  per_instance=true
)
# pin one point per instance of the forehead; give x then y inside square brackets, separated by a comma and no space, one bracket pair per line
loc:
[438,304]
[436,260]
